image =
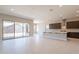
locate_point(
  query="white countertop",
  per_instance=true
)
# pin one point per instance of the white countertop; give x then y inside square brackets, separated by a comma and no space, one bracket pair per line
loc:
[57,32]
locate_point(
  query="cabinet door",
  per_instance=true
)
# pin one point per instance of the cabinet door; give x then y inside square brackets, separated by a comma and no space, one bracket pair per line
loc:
[73,25]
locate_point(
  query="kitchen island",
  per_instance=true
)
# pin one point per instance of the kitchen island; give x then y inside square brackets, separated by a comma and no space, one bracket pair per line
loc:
[56,35]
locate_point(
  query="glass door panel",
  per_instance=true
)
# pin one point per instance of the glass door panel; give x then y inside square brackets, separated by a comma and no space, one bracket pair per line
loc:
[8,29]
[18,29]
[25,29]
[15,29]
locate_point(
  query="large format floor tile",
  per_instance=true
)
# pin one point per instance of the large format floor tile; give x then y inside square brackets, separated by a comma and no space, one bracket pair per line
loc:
[39,45]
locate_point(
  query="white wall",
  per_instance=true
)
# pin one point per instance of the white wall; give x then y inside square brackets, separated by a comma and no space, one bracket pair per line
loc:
[41,28]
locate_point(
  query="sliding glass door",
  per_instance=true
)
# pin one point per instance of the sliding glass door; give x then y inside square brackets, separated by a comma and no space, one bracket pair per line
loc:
[21,29]
[25,29]
[18,29]
[8,29]
[15,29]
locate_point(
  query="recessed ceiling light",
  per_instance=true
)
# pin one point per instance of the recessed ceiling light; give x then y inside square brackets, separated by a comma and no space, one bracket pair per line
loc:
[12,9]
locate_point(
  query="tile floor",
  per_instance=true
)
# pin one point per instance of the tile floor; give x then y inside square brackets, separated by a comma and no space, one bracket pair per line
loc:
[38,45]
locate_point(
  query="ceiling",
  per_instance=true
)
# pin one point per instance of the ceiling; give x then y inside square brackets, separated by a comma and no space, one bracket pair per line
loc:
[41,12]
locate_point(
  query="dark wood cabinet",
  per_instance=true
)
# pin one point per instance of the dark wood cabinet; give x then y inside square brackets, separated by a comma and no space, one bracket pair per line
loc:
[73,25]
[73,34]
[55,26]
